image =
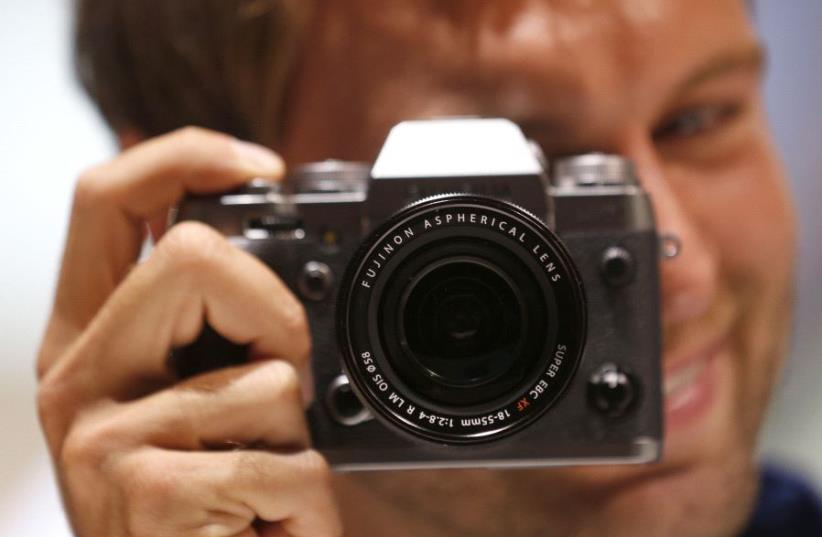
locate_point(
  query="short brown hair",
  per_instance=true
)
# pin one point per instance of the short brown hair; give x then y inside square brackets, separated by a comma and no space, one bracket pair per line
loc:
[153,66]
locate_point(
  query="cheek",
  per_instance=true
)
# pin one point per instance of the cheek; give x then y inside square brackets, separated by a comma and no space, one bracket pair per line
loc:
[743,210]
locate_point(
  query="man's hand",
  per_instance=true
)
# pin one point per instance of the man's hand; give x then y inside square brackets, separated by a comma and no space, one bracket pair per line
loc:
[135,453]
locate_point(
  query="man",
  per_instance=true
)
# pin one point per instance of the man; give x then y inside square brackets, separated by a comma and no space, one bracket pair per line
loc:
[673,85]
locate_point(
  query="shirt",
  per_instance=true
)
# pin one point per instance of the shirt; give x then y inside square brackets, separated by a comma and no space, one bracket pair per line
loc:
[786,506]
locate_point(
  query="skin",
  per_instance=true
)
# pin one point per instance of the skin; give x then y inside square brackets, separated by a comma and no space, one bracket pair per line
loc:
[673,85]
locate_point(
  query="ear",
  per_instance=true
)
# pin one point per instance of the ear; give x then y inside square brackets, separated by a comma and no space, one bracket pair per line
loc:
[128,138]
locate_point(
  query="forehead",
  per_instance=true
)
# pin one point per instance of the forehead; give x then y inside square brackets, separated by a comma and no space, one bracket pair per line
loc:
[569,60]
[579,43]
[491,37]
[475,25]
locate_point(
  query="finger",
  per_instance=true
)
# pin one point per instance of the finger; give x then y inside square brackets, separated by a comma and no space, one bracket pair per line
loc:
[114,201]
[256,404]
[194,276]
[225,492]
[253,405]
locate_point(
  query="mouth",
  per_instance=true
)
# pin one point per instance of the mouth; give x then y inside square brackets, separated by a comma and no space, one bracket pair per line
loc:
[690,384]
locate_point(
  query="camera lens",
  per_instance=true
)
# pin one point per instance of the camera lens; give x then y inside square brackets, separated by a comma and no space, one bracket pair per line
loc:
[460,332]
[461,319]
[461,322]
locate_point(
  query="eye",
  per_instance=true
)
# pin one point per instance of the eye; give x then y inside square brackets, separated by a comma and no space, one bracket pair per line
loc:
[695,121]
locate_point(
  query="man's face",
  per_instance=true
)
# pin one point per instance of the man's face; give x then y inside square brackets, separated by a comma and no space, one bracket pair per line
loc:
[675,86]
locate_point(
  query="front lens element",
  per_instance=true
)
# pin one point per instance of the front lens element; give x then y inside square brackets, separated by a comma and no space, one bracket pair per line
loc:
[462,323]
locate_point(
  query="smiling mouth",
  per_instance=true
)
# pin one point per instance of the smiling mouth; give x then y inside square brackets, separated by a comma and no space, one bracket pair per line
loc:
[683,377]
[689,384]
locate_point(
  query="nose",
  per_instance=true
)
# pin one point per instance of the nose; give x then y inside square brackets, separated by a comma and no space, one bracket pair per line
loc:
[689,280]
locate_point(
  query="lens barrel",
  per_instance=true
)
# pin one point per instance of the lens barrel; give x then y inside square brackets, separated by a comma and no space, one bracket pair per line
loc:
[461,319]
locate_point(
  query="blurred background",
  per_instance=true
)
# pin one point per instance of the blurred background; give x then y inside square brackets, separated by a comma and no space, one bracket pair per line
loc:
[49,133]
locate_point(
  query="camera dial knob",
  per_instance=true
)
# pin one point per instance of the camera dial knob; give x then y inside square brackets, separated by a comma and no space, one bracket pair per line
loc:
[611,391]
[594,169]
[330,176]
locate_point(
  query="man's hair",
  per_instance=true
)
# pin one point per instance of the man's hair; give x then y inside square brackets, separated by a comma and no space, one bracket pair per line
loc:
[152,66]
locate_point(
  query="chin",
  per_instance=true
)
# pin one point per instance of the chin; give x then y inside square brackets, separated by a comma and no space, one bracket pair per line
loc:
[707,500]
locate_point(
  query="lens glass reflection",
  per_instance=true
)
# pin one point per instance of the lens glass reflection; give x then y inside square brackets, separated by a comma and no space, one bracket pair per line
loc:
[462,323]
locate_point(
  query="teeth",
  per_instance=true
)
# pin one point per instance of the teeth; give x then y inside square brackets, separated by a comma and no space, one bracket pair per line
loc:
[683,377]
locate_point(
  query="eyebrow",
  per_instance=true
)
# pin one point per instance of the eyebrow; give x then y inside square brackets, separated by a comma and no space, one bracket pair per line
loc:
[752,59]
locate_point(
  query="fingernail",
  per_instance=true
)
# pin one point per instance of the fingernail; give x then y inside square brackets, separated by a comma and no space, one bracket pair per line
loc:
[262,160]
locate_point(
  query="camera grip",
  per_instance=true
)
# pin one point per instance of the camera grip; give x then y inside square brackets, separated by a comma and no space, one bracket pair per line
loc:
[208,352]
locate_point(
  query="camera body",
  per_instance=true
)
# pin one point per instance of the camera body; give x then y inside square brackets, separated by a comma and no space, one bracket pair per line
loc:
[470,305]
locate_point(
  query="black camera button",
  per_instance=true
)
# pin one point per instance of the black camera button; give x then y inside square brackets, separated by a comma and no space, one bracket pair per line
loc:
[617,266]
[344,405]
[611,391]
[315,281]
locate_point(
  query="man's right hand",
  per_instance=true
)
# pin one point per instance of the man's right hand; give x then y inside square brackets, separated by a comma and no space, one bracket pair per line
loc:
[137,452]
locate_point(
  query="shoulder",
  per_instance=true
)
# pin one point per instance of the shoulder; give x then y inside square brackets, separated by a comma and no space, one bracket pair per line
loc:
[786,505]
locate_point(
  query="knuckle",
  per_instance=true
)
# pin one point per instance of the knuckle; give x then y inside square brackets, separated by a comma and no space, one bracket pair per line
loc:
[192,246]
[156,483]
[51,396]
[149,481]
[152,491]
[285,380]
[88,444]
[53,402]
[91,188]
[315,467]
[206,151]
[248,466]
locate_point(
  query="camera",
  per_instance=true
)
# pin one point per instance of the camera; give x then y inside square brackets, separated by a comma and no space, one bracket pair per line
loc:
[471,304]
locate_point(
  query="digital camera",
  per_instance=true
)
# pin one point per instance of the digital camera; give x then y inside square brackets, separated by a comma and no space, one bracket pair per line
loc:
[470,303]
